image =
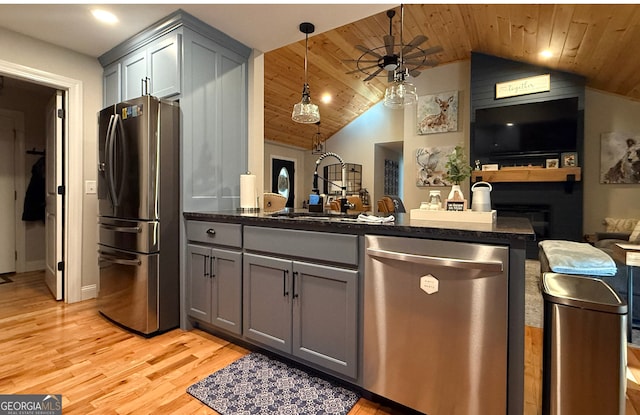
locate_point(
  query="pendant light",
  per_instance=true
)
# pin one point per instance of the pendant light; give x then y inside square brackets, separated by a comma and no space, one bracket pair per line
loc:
[317,144]
[304,111]
[400,93]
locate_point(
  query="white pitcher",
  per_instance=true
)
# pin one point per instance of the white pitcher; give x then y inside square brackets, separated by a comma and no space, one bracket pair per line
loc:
[481,199]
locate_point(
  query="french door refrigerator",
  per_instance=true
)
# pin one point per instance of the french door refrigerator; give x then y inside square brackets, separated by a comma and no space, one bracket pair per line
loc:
[138,214]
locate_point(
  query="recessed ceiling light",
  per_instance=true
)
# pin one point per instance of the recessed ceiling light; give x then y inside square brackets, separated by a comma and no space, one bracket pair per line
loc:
[326,98]
[104,16]
[509,124]
[546,54]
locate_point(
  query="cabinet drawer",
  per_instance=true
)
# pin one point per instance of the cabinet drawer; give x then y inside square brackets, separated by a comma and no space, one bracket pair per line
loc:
[322,246]
[229,234]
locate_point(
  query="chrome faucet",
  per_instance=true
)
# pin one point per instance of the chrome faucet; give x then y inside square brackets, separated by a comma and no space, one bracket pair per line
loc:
[344,205]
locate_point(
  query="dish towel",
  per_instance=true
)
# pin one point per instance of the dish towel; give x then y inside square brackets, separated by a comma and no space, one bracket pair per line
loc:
[363,217]
[567,257]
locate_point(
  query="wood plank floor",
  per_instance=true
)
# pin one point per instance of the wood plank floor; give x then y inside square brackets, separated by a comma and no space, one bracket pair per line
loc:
[69,349]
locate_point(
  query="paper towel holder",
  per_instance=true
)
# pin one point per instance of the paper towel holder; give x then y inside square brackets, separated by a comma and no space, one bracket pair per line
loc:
[254,209]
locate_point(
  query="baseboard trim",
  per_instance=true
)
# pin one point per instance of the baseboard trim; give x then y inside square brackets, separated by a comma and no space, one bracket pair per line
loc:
[88,292]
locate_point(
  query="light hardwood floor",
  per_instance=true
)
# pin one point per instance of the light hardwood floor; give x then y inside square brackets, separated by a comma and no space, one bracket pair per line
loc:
[69,349]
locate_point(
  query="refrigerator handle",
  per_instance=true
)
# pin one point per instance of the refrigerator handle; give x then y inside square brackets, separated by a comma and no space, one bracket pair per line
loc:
[114,259]
[119,136]
[109,158]
[128,229]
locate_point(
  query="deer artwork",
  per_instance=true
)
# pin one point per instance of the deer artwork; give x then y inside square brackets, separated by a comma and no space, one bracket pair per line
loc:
[437,122]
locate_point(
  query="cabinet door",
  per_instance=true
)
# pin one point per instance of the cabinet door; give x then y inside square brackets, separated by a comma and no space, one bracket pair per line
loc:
[226,277]
[267,301]
[199,282]
[111,84]
[325,322]
[134,70]
[164,66]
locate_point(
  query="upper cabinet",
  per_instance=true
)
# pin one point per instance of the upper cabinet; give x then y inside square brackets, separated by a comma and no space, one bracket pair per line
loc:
[182,58]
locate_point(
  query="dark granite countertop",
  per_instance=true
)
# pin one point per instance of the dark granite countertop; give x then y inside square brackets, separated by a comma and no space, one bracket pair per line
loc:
[505,229]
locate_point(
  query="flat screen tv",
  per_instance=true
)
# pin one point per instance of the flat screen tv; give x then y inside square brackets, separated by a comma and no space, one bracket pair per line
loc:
[539,129]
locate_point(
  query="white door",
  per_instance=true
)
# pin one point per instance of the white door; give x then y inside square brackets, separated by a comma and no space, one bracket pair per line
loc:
[53,214]
[7,196]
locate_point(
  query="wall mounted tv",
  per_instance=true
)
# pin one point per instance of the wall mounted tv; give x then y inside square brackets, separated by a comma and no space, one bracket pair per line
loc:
[534,130]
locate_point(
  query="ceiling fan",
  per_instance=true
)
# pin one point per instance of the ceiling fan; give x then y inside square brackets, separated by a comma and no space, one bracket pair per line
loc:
[410,57]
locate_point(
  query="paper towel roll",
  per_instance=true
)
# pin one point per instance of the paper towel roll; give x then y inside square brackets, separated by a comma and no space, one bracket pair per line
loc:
[248,192]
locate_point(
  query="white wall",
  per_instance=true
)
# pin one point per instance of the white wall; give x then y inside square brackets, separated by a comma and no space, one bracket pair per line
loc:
[606,113]
[274,150]
[32,53]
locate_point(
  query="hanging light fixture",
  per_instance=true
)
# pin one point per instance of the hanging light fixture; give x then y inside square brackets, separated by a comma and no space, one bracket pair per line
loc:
[317,143]
[400,93]
[304,111]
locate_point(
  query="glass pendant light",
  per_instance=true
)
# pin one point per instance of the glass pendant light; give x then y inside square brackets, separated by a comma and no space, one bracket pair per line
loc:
[304,111]
[400,93]
[317,144]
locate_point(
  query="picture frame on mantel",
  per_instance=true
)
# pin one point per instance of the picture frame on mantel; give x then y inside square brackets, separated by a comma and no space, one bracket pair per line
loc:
[552,163]
[569,159]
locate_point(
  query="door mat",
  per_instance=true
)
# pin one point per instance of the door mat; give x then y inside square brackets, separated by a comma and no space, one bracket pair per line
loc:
[256,384]
[4,279]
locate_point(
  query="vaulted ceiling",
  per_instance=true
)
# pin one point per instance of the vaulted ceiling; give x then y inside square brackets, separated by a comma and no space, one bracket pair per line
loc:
[597,41]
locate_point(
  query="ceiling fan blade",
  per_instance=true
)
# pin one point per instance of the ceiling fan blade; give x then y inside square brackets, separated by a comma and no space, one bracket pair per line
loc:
[360,61]
[389,42]
[425,52]
[422,62]
[373,75]
[361,69]
[417,41]
[368,51]
[414,73]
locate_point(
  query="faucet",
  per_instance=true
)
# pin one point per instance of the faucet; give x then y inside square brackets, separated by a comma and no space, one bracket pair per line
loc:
[344,205]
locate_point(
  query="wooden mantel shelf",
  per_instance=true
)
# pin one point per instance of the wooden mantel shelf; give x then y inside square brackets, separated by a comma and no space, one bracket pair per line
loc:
[528,174]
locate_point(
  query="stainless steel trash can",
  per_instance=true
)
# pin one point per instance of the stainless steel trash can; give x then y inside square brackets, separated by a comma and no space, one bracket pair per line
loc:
[585,347]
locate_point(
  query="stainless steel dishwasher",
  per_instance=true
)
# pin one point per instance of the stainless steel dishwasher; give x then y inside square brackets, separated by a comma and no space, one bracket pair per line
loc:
[435,324]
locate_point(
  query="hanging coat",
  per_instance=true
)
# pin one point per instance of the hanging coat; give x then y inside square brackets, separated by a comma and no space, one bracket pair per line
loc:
[34,199]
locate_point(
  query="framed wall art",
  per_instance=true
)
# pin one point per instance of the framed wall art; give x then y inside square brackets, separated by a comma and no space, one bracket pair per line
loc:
[438,113]
[431,165]
[619,157]
[569,159]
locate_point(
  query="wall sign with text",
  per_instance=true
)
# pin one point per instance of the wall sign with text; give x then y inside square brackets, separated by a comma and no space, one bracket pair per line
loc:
[523,86]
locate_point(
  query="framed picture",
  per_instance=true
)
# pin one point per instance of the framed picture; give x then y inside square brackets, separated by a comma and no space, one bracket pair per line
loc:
[431,166]
[619,160]
[438,113]
[552,163]
[569,159]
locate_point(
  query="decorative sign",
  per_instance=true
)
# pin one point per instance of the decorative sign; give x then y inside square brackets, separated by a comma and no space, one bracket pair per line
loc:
[429,284]
[455,205]
[523,86]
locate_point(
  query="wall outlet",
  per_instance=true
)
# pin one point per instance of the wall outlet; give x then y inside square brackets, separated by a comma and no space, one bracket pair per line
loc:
[90,187]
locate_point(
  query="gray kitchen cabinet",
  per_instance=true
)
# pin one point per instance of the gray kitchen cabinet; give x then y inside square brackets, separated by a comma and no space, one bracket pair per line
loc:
[186,59]
[296,306]
[214,274]
[158,63]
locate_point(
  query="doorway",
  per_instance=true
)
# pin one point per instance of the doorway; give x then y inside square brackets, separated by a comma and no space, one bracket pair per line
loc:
[283,179]
[73,167]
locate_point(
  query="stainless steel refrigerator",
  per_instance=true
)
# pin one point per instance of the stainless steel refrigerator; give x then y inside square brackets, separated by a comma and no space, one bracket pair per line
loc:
[138,214]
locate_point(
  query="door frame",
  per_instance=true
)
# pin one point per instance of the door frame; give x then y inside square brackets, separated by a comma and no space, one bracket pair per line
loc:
[73,168]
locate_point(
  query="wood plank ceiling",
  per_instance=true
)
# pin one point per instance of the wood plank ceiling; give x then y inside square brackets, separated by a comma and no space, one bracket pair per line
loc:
[597,41]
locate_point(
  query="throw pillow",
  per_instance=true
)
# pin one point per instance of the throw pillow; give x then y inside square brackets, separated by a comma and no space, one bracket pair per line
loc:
[635,235]
[619,225]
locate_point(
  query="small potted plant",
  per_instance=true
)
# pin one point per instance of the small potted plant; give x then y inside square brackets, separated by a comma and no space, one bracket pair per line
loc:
[458,169]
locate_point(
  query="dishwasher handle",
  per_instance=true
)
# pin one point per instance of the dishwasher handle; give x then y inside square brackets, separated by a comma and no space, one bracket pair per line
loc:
[491,266]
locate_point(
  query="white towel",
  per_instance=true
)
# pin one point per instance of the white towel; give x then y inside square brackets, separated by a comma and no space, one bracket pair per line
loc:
[567,257]
[363,217]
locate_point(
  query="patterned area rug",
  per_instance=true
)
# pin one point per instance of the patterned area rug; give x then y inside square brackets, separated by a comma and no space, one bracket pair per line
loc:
[255,384]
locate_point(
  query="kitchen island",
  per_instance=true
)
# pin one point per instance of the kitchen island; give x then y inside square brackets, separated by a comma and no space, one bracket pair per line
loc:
[300,285]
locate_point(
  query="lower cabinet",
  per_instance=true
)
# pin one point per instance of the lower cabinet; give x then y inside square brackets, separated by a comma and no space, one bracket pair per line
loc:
[304,309]
[214,286]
